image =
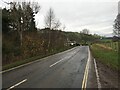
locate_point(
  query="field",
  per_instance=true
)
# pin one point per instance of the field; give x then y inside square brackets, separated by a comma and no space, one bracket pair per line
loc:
[107,53]
[112,45]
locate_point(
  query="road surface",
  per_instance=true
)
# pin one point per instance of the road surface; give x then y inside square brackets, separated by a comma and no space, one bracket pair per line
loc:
[62,70]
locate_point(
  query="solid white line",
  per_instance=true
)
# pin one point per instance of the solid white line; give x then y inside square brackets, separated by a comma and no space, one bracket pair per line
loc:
[17,84]
[18,66]
[34,61]
[98,79]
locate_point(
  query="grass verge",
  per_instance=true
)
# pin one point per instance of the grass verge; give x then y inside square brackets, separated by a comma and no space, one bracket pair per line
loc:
[106,56]
[17,63]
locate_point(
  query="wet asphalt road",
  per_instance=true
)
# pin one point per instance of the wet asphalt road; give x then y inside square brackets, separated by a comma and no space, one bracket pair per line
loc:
[62,70]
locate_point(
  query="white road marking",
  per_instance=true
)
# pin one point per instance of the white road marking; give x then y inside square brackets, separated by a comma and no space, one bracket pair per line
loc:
[35,61]
[57,62]
[98,79]
[67,57]
[18,66]
[84,82]
[17,84]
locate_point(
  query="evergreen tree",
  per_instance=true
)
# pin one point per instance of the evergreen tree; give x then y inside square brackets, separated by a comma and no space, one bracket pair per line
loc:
[5,21]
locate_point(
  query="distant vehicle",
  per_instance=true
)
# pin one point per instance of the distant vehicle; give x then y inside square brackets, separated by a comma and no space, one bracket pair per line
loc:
[84,44]
[74,44]
[71,44]
[77,44]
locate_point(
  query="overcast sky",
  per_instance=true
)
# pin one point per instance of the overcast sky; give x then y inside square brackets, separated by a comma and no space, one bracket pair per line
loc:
[96,15]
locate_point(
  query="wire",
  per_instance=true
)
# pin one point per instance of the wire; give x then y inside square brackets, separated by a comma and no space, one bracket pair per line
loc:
[7,2]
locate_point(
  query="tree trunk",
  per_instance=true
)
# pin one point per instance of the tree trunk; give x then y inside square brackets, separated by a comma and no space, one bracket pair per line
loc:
[21,38]
[49,40]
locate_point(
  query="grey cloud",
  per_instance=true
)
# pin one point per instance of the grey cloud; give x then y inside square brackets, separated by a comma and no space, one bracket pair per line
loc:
[79,14]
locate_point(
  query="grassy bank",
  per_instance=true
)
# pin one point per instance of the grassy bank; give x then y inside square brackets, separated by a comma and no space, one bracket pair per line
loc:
[112,45]
[105,55]
[17,63]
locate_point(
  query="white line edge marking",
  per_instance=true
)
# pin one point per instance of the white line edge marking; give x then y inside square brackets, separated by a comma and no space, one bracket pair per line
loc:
[34,61]
[84,82]
[18,67]
[17,84]
[98,79]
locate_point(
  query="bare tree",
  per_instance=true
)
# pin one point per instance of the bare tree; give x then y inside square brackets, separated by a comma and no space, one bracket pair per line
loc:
[57,24]
[51,22]
[36,7]
[85,31]
[49,19]
[64,27]
[116,26]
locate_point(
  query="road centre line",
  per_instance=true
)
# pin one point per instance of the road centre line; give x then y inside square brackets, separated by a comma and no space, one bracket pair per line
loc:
[17,84]
[62,59]
[84,82]
[57,62]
